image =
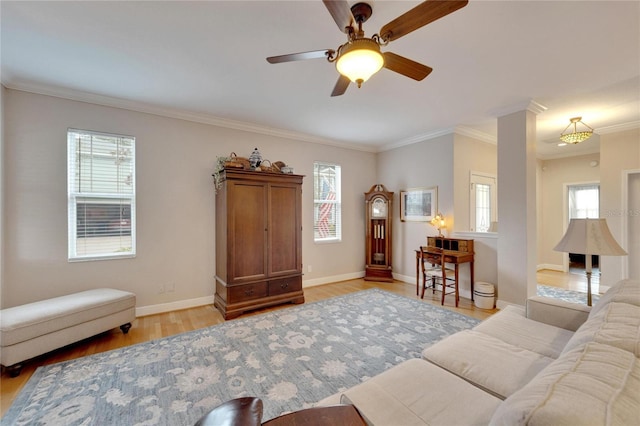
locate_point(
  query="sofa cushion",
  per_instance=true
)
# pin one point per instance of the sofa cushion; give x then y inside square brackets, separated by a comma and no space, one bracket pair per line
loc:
[616,324]
[557,312]
[624,291]
[486,361]
[416,392]
[511,326]
[593,384]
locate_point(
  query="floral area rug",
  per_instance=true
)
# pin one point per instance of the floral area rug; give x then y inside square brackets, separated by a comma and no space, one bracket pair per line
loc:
[290,358]
[564,294]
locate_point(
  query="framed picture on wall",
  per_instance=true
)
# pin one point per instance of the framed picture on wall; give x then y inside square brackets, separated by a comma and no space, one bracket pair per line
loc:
[418,204]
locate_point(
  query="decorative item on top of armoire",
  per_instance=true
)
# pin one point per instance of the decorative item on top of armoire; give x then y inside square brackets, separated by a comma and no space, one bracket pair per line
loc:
[255,158]
[378,208]
[258,240]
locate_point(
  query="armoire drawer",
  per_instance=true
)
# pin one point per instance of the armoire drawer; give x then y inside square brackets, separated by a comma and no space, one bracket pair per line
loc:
[285,285]
[240,293]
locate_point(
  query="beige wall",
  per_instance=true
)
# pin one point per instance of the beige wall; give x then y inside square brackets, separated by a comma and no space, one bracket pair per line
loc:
[423,164]
[619,153]
[554,176]
[469,155]
[445,162]
[175,204]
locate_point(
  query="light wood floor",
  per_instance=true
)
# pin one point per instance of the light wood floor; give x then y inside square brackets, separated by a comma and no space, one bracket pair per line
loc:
[171,323]
[572,281]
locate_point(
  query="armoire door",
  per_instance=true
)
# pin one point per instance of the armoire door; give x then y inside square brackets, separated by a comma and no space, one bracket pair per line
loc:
[247,233]
[284,229]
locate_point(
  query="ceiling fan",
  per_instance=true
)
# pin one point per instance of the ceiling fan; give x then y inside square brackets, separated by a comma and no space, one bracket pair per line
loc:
[360,57]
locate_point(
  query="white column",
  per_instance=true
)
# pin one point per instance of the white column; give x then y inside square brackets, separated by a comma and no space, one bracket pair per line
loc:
[517,242]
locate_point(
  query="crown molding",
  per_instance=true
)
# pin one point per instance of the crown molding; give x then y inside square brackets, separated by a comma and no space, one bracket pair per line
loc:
[528,105]
[416,139]
[476,134]
[458,130]
[108,101]
[618,127]
[92,98]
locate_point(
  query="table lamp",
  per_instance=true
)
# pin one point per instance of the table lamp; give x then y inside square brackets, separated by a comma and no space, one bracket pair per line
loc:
[438,222]
[589,237]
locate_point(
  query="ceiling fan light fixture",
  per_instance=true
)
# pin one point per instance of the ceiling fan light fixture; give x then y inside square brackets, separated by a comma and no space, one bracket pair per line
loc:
[359,60]
[576,137]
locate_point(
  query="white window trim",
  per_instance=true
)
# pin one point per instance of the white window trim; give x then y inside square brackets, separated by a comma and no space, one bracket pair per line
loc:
[337,202]
[72,200]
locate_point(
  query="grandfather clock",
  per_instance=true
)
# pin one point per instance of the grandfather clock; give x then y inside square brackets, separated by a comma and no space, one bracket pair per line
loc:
[378,207]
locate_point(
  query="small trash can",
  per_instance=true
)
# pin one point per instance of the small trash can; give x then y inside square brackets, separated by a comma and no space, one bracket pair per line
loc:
[484,295]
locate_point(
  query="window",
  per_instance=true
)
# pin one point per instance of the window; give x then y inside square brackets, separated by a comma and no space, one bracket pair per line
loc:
[584,201]
[327,209]
[483,202]
[101,191]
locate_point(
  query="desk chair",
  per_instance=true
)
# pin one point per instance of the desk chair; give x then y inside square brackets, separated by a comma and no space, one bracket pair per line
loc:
[438,272]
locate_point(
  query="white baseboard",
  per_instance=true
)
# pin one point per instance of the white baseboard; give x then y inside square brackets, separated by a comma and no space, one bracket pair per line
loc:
[501,304]
[161,308]
[550,266]
[404,278]
[173,306]
[332,279]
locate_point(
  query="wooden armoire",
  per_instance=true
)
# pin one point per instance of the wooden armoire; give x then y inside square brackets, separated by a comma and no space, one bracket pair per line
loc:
[258,241]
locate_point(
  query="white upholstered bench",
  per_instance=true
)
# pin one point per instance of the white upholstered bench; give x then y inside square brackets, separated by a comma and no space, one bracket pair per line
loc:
[36,328]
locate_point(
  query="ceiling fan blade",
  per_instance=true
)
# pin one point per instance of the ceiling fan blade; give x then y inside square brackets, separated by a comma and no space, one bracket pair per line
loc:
[341,86]
[406,67]
[418,17]
[316,54]
[341,13]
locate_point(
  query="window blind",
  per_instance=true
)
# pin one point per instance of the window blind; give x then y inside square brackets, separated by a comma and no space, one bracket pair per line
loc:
[101,195]
[327,210]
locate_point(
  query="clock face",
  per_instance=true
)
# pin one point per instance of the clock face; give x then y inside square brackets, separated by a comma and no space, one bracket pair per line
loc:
[379,208]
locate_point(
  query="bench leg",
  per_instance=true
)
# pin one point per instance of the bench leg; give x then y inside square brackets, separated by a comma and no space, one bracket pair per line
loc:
[125,327]
[14,370]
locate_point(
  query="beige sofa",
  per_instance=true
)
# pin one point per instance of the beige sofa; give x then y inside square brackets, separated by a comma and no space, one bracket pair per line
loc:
[554,363]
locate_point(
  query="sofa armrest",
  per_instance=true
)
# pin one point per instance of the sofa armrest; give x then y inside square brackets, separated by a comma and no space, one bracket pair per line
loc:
[557,312]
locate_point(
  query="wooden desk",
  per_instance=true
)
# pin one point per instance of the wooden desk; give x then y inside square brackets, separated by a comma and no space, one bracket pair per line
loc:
[463,253]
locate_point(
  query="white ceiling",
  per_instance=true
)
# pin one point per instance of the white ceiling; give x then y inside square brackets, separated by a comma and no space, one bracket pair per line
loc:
[206,61]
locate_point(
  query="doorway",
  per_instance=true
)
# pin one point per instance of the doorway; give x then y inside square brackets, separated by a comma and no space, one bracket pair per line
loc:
[583,201]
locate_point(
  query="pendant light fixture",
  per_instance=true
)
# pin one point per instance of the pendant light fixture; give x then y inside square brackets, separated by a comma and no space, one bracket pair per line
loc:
[576,136]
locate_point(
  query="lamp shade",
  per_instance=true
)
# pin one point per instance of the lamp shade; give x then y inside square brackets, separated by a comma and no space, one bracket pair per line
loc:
[360,60]
[589,236]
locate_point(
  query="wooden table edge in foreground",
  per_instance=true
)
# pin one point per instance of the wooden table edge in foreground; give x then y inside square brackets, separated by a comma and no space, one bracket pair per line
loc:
[335,415]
